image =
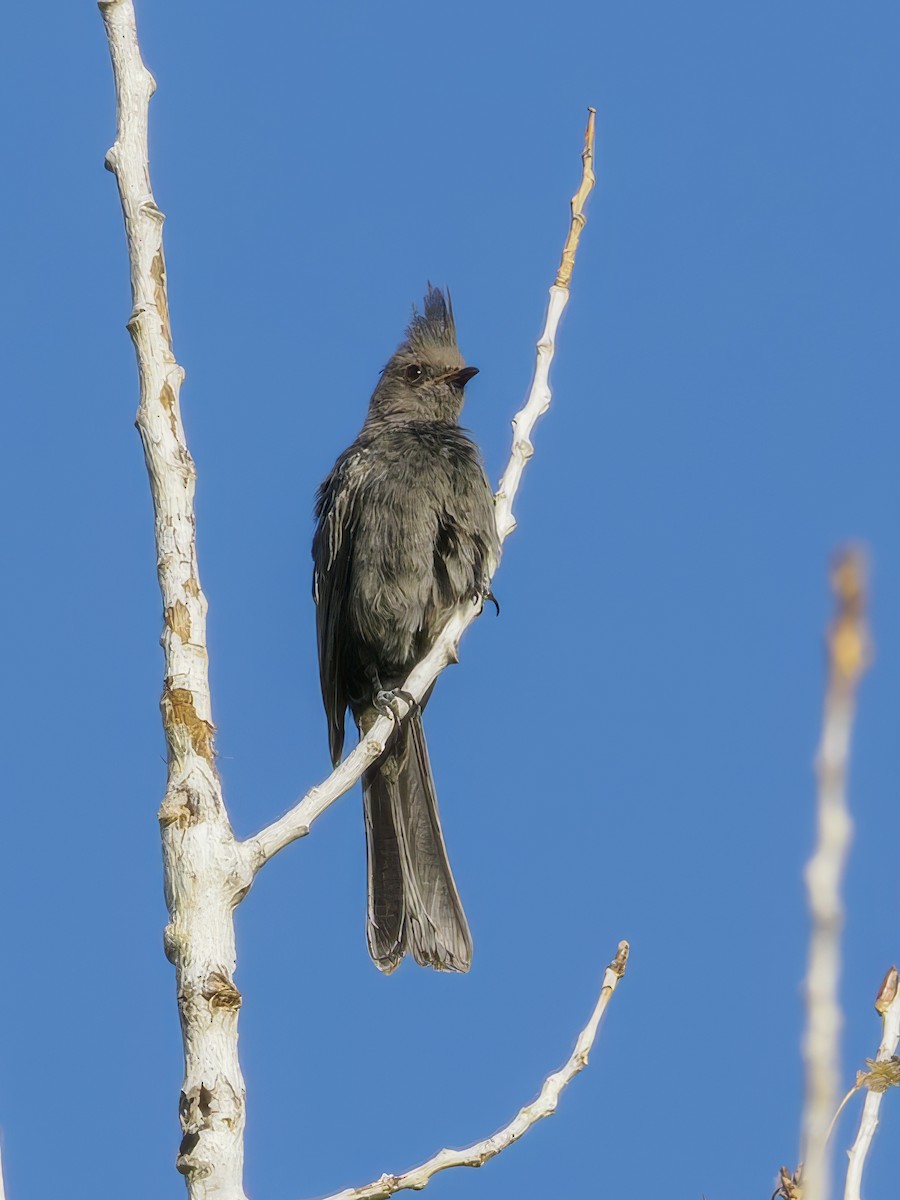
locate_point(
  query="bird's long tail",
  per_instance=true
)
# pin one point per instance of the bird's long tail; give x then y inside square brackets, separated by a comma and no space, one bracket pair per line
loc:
[413,901]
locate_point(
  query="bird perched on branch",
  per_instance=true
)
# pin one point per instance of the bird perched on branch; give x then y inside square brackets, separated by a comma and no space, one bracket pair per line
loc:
[405,533]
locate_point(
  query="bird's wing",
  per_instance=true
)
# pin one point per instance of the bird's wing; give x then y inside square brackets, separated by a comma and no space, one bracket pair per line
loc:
[337,513]
[466,551]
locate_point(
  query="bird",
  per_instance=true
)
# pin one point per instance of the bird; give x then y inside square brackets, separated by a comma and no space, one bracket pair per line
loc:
[405,532]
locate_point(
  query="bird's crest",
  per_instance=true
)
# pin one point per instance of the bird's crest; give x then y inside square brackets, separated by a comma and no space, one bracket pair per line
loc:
[436,326]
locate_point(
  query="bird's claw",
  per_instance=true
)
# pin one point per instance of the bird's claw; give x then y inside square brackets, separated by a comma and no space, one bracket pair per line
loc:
[489,595]
[387,703]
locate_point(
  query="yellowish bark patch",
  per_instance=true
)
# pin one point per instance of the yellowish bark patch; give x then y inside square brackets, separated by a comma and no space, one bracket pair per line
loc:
[178,709]
[167,400]
[221,992]
[178,620]
[158,271]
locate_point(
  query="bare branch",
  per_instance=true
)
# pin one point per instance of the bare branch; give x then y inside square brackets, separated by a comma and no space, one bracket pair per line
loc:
[2,1186]
[543,1106]
[205,873]
[877,1083]
[186,703]
[297,822]
[539,395]
[848,653]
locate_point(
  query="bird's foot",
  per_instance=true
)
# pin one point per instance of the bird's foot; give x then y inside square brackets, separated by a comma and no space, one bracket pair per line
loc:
[387,703]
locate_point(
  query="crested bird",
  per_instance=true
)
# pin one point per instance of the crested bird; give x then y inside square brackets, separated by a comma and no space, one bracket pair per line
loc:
[405,532]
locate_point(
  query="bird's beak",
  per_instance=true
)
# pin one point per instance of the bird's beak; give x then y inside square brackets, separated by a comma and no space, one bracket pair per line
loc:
[461,378]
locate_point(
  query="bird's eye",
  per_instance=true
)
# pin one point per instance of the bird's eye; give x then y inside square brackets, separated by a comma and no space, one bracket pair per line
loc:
[414,373]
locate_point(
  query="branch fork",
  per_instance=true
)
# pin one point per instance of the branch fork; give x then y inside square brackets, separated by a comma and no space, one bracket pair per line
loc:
[883,1073]
[298,821]
[207,870]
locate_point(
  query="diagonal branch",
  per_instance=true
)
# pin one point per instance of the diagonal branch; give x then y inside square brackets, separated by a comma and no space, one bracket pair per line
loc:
[888,1005]
[543,1106]
[297,822]
[848,652]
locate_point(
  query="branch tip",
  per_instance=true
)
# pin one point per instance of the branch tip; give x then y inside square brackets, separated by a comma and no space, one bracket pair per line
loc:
[883,1073]
[578,219]
[308,808]
[849,645]
[620,962]
[543,1106]
[887,993]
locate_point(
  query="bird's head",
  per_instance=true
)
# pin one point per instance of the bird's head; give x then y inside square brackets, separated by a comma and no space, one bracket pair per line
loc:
[426,375]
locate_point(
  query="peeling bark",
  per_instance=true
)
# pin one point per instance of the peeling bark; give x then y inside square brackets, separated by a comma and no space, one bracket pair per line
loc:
[205,874]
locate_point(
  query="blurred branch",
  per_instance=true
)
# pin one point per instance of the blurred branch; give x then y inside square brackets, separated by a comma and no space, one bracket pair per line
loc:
[543,1106]
[883,1073]
[848,655]
[296,823]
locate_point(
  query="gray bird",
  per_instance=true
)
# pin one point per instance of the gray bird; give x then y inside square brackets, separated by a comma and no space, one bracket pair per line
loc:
[405,532]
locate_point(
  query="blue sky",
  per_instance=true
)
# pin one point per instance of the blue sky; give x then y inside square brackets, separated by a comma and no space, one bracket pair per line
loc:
[627,751]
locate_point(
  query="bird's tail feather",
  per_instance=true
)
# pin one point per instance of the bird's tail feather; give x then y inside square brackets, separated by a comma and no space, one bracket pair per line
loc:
[413,901]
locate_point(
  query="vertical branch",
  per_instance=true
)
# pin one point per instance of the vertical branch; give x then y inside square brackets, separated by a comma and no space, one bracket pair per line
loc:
[204,874]
[848,651]
[877,1081]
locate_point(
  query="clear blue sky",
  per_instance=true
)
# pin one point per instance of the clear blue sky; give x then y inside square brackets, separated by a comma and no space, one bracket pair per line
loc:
[627,751]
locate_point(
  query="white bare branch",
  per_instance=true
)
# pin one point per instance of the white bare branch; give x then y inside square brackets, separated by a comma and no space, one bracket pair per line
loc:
[204,870]
[2,1186]
[847,657]
[297,821]
[888,1004]
[543,1106]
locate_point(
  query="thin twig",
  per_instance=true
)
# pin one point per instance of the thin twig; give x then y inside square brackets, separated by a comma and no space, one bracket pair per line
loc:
[543,1106]
[888,1005]
[297,822]
[840,1108]
[848,654]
